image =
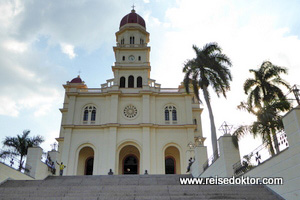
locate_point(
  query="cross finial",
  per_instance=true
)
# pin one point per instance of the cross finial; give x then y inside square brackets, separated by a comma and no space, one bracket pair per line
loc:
[79,72]
[132,6]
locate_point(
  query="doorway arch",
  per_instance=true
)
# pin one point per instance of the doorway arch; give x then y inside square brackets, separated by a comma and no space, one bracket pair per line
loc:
[172,160]
[129,160]
[85,164]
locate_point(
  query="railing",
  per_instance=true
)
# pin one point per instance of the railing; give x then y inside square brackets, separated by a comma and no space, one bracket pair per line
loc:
[260,155]
[211,160]
[132,45]
[90,90]
[169,90]
[14,162]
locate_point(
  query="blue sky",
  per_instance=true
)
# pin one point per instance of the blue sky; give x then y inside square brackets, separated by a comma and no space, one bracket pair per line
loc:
[43,44]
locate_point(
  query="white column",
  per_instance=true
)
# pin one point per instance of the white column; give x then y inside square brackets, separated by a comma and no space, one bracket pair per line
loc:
[188,108]
[66,151]
[291,123]
[146,150]
[229,153]
[153,152]
[71,110]
[33,160]
[114,108]
[146,108]
[200,159]
[112,150]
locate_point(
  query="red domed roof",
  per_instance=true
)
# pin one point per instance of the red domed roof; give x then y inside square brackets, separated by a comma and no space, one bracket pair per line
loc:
[76,80]
[132,18]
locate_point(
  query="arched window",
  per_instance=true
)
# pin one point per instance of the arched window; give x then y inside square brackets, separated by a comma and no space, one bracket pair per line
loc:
[167,115]
[122,41]
[141,41]
[123,58]
[174,114]
[85,115]
[122,82]
[131,40]
[89,115]
[139,82]
[170,110]
[139,58]
[93,117]
[130,81]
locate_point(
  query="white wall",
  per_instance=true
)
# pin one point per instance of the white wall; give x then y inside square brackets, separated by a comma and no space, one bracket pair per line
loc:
[287,163]
[7,172]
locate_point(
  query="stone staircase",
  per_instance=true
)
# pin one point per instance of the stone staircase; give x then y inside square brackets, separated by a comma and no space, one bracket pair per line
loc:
[144,187]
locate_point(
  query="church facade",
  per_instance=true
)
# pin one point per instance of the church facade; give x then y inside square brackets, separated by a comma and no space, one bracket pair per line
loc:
[131,124]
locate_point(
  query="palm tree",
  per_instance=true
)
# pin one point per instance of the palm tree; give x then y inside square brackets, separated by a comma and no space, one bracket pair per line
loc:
[209,68]
[268,100]
[19,145]
[268,123]
[264,87]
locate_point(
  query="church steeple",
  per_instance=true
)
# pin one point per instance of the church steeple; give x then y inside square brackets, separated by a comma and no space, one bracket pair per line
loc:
[132,53]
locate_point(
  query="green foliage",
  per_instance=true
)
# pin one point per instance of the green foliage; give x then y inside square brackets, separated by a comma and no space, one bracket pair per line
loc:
[210,67]
[19,145]
[266,101]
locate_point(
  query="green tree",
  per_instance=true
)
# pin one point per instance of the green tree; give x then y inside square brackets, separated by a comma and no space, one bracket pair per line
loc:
[264,87]
[19,145]
[208,68]
[266,101]
[267,124]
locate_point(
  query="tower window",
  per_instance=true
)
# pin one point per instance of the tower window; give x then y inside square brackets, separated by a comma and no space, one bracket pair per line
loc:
[170,110]
[85,115]
[131,40]
[141,41]
[139,82]
[93,117]
[139,58]
[122,41]
[174,115]
[123,58]
[167,115]
[130,81]
[89,115]
[122,82]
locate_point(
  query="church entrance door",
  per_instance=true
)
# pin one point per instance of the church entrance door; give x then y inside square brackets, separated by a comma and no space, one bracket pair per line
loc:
[89,166]
[170,165]
[129,160]
[130,165]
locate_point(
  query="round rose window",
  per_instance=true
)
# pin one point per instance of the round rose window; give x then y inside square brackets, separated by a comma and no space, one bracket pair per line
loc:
[130,111]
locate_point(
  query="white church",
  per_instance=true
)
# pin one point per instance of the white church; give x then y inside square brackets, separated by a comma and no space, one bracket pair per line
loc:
[130,125]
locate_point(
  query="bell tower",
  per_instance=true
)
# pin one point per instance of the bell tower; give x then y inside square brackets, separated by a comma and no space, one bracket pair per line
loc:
[132,53]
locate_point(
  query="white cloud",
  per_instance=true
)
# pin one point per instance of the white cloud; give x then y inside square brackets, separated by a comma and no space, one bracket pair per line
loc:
[8,107]
[68,49]
[146,1]
[15,46]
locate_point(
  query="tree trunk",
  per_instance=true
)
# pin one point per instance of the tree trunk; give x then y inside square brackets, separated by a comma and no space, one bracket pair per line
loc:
[21,163]
[275,140]
[212,124]
[270,144]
